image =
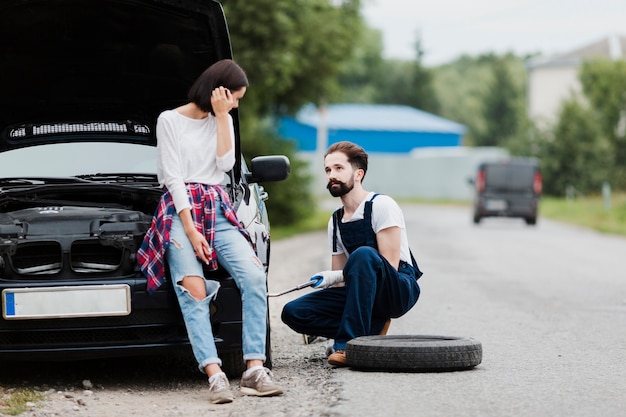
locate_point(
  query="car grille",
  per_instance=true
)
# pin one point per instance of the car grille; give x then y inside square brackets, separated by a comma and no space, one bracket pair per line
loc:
[86,257]
[38,258]
[91,256]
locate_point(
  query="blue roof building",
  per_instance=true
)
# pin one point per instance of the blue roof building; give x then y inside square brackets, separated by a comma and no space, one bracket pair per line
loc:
[376,127]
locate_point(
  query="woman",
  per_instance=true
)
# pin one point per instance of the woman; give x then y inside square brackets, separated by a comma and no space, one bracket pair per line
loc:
[195,224]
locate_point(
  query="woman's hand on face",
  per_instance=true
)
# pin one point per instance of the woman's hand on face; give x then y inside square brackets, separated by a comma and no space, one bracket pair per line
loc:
[222,100]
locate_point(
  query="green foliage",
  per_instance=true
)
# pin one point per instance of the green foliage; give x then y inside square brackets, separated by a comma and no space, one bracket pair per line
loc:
[360,74]
[407,83]
[14,401]
[577,154]
[289,200]
[604,85]
[367,78]
[303,51]
[292,50]
[501,106]
[459,85]
[463,86]
[527,140]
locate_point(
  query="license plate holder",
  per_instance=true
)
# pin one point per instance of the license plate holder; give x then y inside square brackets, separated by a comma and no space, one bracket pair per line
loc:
[496,205]
[66,302]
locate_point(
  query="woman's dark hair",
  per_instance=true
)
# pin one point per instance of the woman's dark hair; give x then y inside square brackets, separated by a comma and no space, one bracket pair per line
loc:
[357,157]
[225,73]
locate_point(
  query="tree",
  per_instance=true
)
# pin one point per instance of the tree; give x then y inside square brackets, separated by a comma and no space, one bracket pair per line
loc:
[501,110]
[462,85]
[604,85]
[409,83]
[576,154]
[527,140]
[360,75]
[292,50]
[289,200]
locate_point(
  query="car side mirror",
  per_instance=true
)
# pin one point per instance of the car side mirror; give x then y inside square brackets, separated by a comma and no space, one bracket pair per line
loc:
[268,168]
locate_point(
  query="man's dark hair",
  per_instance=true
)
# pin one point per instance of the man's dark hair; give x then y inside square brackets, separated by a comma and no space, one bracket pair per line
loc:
[357,157]
[225,73]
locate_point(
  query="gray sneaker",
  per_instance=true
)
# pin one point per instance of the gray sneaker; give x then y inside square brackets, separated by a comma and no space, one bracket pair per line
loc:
[219,390]
[260,383]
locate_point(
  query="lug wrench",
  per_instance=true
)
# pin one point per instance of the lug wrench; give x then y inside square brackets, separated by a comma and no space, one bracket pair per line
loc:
[296,288]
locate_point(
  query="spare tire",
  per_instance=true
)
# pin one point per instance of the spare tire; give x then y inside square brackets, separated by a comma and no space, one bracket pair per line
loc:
[415,353]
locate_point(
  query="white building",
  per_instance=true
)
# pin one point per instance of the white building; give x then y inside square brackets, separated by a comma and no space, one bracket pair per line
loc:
[553,80]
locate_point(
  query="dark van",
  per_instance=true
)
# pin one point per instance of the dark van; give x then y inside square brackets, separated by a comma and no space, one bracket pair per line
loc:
[508,188]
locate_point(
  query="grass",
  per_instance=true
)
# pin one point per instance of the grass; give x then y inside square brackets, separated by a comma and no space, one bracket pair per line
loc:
[15,401]
[588,212]
[318,221]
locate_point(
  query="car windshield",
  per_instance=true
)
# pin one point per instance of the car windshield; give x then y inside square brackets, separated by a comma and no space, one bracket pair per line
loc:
[510,177]
[71,159]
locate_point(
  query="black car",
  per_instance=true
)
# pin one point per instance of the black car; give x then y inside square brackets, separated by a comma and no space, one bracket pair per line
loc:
[508,188]
[82,85]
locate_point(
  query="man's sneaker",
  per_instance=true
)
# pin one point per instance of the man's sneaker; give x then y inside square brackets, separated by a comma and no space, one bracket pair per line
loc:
[338,358]
[219,390]
[260,383]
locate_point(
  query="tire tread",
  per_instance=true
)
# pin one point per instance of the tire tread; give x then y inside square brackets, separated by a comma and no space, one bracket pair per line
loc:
[414,353]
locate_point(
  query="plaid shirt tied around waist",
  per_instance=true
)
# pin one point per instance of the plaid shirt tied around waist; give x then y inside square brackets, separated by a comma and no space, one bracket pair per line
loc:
[151,254]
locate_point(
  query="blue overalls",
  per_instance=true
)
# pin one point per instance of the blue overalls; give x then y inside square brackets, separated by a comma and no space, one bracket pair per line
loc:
[373,292]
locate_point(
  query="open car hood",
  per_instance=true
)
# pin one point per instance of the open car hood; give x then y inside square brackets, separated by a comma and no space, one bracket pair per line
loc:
[106,61]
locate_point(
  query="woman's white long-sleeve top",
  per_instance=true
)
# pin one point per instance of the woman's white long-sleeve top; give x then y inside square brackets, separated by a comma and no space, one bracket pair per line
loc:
[187,152]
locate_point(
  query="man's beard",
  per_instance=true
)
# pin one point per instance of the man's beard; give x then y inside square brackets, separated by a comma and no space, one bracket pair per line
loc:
[342,189]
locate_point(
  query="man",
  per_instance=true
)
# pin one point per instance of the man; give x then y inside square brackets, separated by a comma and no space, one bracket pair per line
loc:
[373,275]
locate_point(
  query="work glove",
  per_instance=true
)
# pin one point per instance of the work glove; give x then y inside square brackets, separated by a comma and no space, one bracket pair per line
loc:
[327,278]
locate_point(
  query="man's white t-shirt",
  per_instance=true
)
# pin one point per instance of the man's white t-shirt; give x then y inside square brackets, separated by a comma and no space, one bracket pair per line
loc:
[385,213]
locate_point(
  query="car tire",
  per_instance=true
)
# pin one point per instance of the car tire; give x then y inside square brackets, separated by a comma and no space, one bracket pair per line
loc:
[531,221]
[268,345]
[413,353]
[233,364]
[476,219]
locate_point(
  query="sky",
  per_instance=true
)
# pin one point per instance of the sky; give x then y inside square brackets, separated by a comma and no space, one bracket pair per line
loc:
[450,28]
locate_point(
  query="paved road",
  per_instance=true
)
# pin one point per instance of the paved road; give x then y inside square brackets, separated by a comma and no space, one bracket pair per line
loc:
[548,304]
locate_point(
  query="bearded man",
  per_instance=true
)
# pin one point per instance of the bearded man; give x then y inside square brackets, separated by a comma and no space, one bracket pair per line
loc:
[373,274]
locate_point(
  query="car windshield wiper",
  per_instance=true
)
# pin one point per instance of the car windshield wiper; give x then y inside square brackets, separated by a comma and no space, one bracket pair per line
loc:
[28,181]
[79,179]
[111,177]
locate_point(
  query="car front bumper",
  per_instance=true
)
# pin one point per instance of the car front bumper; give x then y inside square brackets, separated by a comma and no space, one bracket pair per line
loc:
[154,325]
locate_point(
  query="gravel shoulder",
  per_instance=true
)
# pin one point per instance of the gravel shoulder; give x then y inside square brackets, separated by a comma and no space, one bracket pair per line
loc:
[169,386]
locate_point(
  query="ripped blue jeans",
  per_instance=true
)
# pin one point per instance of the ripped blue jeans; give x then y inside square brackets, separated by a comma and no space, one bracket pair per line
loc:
[235,254]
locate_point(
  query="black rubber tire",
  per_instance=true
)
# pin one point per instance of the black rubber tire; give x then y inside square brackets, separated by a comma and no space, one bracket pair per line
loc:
[268,345]
[414,353]
[233,364]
